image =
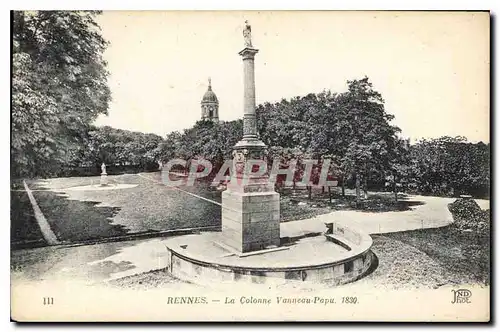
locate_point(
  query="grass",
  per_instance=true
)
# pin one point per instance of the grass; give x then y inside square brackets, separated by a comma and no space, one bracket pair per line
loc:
[290,210]
[433,257]
[149,207]
[456,254]
[375,202]
[24,229]
[76,216]
[142,281]
[401,265]
[422,258]
[464,257]
[74,220]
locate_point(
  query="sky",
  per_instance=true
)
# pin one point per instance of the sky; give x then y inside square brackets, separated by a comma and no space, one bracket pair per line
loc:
[432,68]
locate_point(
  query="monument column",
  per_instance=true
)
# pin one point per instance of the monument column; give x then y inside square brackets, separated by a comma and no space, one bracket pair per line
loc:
[250,206]
[249,121]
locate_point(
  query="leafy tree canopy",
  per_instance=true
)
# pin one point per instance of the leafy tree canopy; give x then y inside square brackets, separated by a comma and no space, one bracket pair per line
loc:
[59,87]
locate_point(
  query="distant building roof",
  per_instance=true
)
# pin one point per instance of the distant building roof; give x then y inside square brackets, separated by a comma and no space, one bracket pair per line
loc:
[209,96]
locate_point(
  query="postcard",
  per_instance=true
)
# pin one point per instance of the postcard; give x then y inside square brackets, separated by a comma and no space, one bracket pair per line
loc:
[180,166]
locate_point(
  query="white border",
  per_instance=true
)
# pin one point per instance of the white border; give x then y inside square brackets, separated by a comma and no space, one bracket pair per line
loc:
[180,5]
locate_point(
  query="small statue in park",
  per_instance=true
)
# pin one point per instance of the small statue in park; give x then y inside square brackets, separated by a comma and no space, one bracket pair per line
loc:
[103,168]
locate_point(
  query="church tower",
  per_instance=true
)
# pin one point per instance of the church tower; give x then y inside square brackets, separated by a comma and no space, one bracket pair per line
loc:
[210,105]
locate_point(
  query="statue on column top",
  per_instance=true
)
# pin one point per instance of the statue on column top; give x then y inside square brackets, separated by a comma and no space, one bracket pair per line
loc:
[247,34]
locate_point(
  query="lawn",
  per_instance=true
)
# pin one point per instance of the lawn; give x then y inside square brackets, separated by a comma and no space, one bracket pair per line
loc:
[432,257]
[149,207]
[376,201]
[422,258]
[463,256]
[429,258]
[79,216]
[452,255]
[24,229]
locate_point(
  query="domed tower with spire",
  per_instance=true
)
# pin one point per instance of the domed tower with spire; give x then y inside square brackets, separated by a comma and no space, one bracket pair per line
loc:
[210,105]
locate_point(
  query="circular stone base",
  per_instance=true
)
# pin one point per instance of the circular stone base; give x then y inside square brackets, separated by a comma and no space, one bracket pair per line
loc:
[112,186]
[204,259]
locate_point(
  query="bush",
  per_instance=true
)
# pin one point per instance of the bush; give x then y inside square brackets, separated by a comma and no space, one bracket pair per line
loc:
[468,215]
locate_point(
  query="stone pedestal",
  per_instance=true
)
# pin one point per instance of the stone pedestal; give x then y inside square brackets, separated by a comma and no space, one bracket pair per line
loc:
[104,179]
[250,221]
[250,206]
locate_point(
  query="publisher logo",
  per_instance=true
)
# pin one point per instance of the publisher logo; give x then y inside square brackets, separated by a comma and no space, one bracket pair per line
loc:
[461,296]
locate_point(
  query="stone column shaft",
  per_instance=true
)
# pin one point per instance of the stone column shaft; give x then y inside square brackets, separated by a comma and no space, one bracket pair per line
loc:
[249,119]
[249,86]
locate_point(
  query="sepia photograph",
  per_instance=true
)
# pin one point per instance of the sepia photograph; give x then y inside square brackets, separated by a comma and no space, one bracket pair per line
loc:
[229,166]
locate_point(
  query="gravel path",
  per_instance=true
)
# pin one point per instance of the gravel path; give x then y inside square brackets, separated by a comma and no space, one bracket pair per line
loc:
[432,213]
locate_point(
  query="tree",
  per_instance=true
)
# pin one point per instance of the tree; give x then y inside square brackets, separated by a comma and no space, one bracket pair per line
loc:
[206,140]
[59,87]
[400,165]
[34,119]
[285,124]
[170,147]
[451,166]
[366,137]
